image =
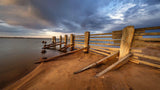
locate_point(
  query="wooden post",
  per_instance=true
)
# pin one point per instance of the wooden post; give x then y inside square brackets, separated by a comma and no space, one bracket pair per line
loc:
[53,39]
[65,41]
[54,42]
[72,42]
[60,41]
[86,41]
[126,41]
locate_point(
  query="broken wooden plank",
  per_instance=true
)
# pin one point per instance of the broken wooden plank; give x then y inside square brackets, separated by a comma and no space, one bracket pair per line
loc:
[114,55]
[52,58]
[115,65]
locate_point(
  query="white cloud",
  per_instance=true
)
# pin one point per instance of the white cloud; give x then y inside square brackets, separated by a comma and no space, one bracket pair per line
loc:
[119,12]
[144,5]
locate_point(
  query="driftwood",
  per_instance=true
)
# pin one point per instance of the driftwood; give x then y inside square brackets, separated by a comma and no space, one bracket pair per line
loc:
[52,58]
[98,62]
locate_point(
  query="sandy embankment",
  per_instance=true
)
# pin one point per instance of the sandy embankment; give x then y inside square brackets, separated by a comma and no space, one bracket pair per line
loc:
[58,75]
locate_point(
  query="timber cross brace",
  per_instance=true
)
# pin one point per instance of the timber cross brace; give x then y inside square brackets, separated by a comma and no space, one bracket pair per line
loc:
[121,45]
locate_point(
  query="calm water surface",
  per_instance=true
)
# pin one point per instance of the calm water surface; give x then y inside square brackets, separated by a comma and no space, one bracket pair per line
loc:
[17,57]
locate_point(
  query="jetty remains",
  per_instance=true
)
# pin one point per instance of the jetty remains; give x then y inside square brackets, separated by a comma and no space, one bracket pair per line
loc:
[123,59]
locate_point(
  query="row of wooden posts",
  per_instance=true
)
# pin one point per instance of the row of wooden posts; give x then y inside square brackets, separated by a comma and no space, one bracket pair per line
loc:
[126,41]
[71,44]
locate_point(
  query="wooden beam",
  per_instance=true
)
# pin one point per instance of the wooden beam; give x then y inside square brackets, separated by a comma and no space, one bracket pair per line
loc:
[101,37]
[117,32]
[149,34]
[145,63]
[79,35]
[80,39]
[110,48]
[126,41]
[109,40]
[86,42]
[149,39]
[64,54]
[136,50]
[105,44]
[101,34]
[147,56]
[115,65]
[114,55]
[105,50]
[100,52]
[148,28]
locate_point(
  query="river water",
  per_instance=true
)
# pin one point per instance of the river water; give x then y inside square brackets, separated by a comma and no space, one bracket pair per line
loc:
[17,57]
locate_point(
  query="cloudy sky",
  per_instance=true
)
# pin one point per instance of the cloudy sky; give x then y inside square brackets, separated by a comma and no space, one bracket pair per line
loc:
[45,18]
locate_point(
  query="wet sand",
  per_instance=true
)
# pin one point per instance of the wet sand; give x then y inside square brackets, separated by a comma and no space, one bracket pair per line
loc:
[58,75]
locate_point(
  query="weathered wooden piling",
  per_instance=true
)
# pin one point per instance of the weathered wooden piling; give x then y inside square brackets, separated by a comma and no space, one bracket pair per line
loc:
[53,41]
[60,41]
[126,41]
[86,42]
[54,44]
[71,42]
[65,42]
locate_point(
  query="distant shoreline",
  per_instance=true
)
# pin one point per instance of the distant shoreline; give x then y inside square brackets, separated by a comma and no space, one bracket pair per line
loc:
[23,38]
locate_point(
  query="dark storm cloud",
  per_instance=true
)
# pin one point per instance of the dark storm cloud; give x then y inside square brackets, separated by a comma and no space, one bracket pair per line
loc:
[72,11]
[77,16]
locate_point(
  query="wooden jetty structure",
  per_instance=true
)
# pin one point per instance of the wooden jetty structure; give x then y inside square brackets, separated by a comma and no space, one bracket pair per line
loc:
[125,44]
[123,56]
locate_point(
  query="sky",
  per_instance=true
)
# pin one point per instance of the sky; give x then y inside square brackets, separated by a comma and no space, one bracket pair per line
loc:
[46,18]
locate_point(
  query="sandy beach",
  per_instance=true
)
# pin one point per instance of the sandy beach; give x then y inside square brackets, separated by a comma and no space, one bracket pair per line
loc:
[58,75]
